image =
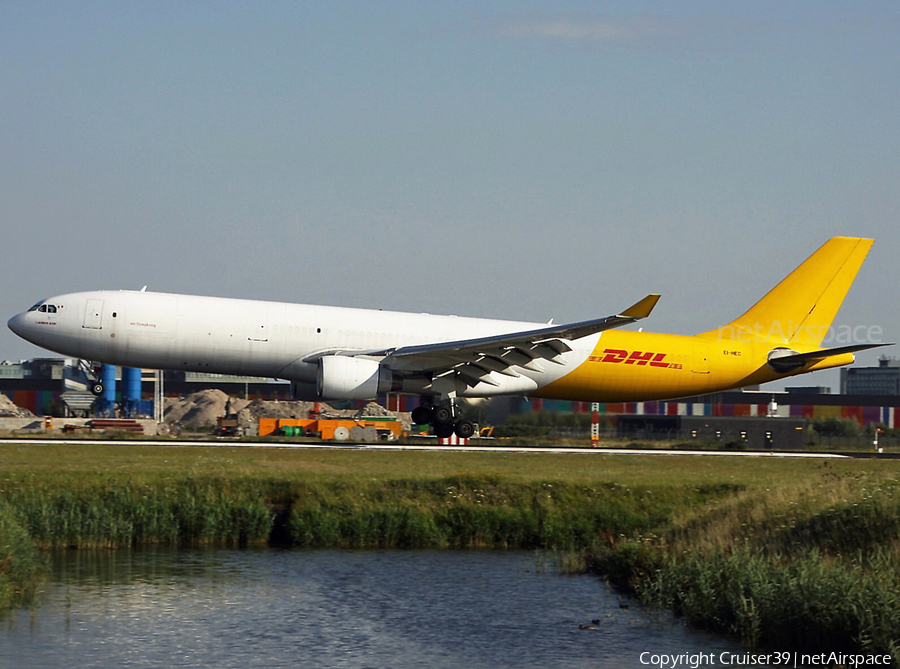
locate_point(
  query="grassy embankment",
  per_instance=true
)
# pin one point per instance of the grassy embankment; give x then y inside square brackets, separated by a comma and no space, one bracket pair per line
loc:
[799,554]
[806,564]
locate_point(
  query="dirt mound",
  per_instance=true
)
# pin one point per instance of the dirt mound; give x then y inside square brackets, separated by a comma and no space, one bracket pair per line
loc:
[375,409]
[10,410]
[201,408]
[371,409]
[257,409]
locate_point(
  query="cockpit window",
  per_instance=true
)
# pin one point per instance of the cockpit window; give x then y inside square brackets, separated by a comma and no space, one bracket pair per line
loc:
[44,308]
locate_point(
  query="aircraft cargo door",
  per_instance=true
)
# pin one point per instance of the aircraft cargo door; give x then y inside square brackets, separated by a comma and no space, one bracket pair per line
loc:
[257,325]
[93,313]
[700,358]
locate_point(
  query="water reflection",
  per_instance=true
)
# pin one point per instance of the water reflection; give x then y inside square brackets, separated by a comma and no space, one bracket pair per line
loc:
[189,608]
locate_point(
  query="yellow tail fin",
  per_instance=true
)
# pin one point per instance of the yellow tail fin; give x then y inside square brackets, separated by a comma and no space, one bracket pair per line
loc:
[800,309]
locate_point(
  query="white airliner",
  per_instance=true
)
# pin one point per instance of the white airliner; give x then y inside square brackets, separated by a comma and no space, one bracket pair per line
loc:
[340,353]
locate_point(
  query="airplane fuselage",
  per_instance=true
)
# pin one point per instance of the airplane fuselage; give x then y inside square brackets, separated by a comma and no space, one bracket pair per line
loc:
[281,340]
[241,337]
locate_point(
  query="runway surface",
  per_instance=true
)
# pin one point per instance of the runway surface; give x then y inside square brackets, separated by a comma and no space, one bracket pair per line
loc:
[387,446]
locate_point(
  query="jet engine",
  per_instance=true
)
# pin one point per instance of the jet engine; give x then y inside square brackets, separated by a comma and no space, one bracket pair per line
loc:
[345,378]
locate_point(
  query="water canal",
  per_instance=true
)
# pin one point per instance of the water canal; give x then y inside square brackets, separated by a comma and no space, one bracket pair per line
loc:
[267,608]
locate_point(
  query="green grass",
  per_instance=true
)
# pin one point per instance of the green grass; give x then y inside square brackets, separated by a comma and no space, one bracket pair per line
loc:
[113,514]
[794,553]
[806,564]
[21,564]
[807,603]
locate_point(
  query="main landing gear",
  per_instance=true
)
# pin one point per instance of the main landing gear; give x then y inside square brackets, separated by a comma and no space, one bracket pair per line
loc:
[443,419]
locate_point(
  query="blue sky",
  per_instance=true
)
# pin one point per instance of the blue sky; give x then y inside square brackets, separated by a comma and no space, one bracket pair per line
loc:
[514,160]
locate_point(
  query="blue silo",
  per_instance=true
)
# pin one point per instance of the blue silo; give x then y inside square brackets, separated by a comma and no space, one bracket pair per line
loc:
[131,391]
[106,405]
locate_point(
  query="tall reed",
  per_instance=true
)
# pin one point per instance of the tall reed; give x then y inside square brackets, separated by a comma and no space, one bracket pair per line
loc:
[460,511]
[811,566]
[186,512]
[21,563]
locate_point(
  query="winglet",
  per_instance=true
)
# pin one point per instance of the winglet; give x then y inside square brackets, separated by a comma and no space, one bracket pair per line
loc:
[641,309]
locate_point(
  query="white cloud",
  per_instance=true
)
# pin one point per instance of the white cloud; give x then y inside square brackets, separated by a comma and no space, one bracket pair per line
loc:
[598,30]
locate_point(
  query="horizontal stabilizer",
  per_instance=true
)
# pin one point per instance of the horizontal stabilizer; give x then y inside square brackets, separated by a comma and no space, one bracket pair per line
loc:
[786,360]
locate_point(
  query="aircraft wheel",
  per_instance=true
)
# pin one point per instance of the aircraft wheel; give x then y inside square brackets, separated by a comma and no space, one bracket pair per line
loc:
[464,429]
[443,414]
[97,389]
[423,415]
[443,430]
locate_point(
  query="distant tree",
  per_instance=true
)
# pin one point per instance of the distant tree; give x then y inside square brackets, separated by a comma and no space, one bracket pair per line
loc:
[541,423]
[835,427]
[885,430]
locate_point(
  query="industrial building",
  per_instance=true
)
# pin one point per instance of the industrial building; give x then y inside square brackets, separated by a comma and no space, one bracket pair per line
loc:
[40,384]
[881,380]
[61,387]
[755,433]
[865,409]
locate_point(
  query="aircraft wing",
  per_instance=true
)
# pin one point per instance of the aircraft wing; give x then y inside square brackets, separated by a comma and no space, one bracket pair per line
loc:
[475,359]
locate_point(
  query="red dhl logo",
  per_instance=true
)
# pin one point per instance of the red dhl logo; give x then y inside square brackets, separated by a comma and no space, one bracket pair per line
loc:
[635,358]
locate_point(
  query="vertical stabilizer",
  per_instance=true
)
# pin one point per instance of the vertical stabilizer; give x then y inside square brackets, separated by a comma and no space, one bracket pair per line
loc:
[800,309]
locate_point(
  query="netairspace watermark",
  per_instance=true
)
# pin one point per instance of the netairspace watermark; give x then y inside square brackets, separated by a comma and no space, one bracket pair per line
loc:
[802,334]
[783,659]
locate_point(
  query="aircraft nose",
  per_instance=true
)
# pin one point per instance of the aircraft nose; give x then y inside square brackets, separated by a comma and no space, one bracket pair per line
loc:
[17,324]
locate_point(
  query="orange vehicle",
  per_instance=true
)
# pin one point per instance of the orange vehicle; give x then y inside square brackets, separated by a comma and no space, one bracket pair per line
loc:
[384,428]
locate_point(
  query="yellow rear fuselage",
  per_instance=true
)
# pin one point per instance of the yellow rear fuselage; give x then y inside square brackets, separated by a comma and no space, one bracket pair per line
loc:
[792,318]
[633,366]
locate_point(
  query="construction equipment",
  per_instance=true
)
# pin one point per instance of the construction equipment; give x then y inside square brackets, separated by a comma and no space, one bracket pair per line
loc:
[369,428]
[227,426]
